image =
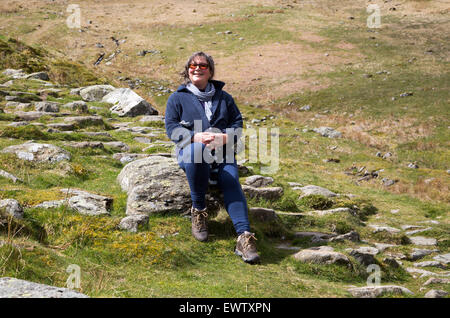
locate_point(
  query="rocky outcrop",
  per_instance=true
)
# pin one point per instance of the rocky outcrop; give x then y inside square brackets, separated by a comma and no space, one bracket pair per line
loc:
[88,203]
[52,107]
[155,184]
[132,222]
[38,152]
[316,190]
[268,193]
[376,291]
[321,255]
[128,103]
[95,93]
[17,288]
[12,207]
[258,181]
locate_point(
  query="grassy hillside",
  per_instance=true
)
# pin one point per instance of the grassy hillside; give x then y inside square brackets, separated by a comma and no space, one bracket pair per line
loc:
[279,57]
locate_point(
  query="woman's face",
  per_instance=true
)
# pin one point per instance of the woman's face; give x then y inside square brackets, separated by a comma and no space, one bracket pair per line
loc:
[198,76]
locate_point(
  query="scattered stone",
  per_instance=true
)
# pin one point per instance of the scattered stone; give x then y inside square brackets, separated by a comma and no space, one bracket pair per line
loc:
[380,228]
[17,288]
[388,182]
[268,193]
[420,253]
[434,280]
[152,118]
[18,106]
[328,212]
[305,108]
[434,293]
[392,262]
[258,181]
[38,152]
[79,106]
[316,190]
[418,231]
[128,103]
[444,258]
[420,240]
[8,175]
[376,291]
[88,203]
[424,273]
[316,237]
[33,115]
[382,247]
[413,166]
[117,145]
[350,236]
[95,93]
[142,140]
[295,184]
[262,214]
[86,144]
[406,94]
[14,73]
[132,222]
[321,255]
[387,155]
[96,134]
[430,264]
[38,75]
[76,91]
[62,126]
[12,207]
[83,121]
[328,132]
[364,255]
[128,157]
[50,204]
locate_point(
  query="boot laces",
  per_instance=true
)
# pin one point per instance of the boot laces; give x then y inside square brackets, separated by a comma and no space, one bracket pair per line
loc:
[200,219]
[249,240]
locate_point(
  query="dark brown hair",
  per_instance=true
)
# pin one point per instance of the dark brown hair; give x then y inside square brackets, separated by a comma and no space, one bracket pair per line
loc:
[185,73]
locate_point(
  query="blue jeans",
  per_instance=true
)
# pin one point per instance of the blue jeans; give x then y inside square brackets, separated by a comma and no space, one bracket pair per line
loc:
[198,175]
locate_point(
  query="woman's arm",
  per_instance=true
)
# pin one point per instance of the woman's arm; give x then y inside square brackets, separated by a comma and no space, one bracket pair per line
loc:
[174,130]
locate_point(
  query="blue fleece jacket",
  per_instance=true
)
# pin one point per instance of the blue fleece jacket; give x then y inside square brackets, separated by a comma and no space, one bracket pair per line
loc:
[183,108]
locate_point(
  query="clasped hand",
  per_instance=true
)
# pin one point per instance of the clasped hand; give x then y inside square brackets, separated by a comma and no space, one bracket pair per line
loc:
[210,139]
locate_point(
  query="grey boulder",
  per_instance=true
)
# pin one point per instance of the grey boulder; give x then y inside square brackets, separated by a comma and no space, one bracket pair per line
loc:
[17,288]
[95,93]
[321,255]
[38,152]
[88,203]
[12,207]
[316,190]
[155,184]
[128,103]
[376,291]
[258,181]
[131,223]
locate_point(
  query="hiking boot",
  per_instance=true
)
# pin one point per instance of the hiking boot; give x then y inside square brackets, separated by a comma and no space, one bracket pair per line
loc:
[246,247]
[199,226]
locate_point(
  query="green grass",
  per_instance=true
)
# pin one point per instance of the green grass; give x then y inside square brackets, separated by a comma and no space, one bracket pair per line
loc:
[163,259]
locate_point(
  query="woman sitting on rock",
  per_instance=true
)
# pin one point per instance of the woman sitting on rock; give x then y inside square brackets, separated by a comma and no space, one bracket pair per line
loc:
[205,123]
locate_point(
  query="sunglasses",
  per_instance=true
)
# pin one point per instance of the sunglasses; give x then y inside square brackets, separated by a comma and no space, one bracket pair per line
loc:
[201,66]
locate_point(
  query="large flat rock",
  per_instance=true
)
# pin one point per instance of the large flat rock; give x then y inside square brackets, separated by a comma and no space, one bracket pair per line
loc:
[17,288]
